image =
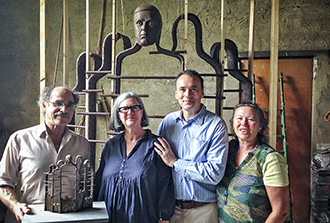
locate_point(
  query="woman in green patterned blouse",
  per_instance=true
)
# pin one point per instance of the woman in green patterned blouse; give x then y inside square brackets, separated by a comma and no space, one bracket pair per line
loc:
[255,185]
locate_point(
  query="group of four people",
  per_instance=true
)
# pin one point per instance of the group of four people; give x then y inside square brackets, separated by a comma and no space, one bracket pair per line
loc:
[187,173]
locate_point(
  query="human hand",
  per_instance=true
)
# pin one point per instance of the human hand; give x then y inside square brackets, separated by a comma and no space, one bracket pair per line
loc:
[20,209]
[165,152]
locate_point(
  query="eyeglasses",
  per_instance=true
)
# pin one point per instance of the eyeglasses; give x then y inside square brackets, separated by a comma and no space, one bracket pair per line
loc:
[134,108]
[60,104]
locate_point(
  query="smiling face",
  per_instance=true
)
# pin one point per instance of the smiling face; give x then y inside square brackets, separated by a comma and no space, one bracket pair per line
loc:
[147,25]
[189,93]
[130,118]
[246,124]
[58,115]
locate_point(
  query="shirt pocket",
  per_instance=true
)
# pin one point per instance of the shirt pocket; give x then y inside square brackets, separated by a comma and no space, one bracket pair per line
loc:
[196,149]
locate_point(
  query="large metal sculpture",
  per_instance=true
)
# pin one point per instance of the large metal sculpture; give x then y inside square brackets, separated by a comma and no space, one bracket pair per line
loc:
[69,186]
[147,27]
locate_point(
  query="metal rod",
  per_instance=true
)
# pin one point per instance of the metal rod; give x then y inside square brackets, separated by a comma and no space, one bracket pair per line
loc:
[185,34]
[116,95]
[222,34]
[99,42]
[108,71]
[65,20]
[157,52]
[233,90]
[156,116]
[58,53]
[140,77]
[77,126]
[285,149]
[113,51]
[93,90]
[87,68]
[253,88]
[159,77]
[93,113]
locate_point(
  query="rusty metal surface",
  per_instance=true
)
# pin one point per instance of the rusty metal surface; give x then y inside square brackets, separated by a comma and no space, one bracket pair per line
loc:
[102,66]
[232,64]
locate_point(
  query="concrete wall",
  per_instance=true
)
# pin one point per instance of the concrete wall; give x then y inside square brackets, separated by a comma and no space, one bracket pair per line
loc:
[321,101]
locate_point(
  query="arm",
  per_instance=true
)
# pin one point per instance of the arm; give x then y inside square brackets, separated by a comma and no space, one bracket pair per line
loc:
[98,179]
[275,171]
[8,175]
[279,200]
[208,153]
[9,198]
[165,191]
[165,152]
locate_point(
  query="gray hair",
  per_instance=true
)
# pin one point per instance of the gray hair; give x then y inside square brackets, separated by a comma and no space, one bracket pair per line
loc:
[115,123]
[47,92]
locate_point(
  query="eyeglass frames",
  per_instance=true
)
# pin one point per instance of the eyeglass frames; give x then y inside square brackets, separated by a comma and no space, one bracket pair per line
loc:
[60,104]
[134,108]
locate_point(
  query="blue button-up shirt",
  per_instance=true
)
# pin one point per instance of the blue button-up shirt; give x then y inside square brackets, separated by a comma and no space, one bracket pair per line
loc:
[201,146]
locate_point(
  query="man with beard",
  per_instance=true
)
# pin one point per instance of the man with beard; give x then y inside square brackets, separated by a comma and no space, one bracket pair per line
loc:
[29,152]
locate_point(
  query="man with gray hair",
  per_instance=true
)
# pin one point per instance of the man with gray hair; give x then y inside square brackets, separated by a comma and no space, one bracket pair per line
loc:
[29,152]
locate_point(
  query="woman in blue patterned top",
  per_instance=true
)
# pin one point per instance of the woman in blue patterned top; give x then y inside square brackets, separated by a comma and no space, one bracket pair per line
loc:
[255,185]
[132,179]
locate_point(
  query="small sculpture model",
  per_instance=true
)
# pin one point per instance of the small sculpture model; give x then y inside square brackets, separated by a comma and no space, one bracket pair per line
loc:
[69,186]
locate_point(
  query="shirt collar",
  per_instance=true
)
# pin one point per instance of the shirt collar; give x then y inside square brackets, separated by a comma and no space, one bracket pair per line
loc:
[42,131]
[198,118]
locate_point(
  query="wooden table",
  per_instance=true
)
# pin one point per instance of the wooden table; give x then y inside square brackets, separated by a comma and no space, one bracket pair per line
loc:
[96,214]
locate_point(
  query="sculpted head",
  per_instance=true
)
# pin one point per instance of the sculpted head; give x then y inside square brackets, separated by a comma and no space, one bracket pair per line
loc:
[147,25]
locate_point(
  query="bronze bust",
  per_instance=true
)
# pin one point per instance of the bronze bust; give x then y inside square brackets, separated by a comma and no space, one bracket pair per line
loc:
[147,25]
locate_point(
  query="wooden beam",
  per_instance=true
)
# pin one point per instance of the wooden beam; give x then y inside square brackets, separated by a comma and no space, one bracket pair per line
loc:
[185,56]
[66,42]
[44,47]
[222,58]
[87,118]
[251,39]
[222,35]
[273,73]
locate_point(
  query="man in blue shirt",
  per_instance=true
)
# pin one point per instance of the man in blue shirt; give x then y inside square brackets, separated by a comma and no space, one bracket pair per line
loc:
[194,142]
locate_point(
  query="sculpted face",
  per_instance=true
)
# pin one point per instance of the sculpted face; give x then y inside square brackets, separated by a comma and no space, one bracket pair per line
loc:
[147,25]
